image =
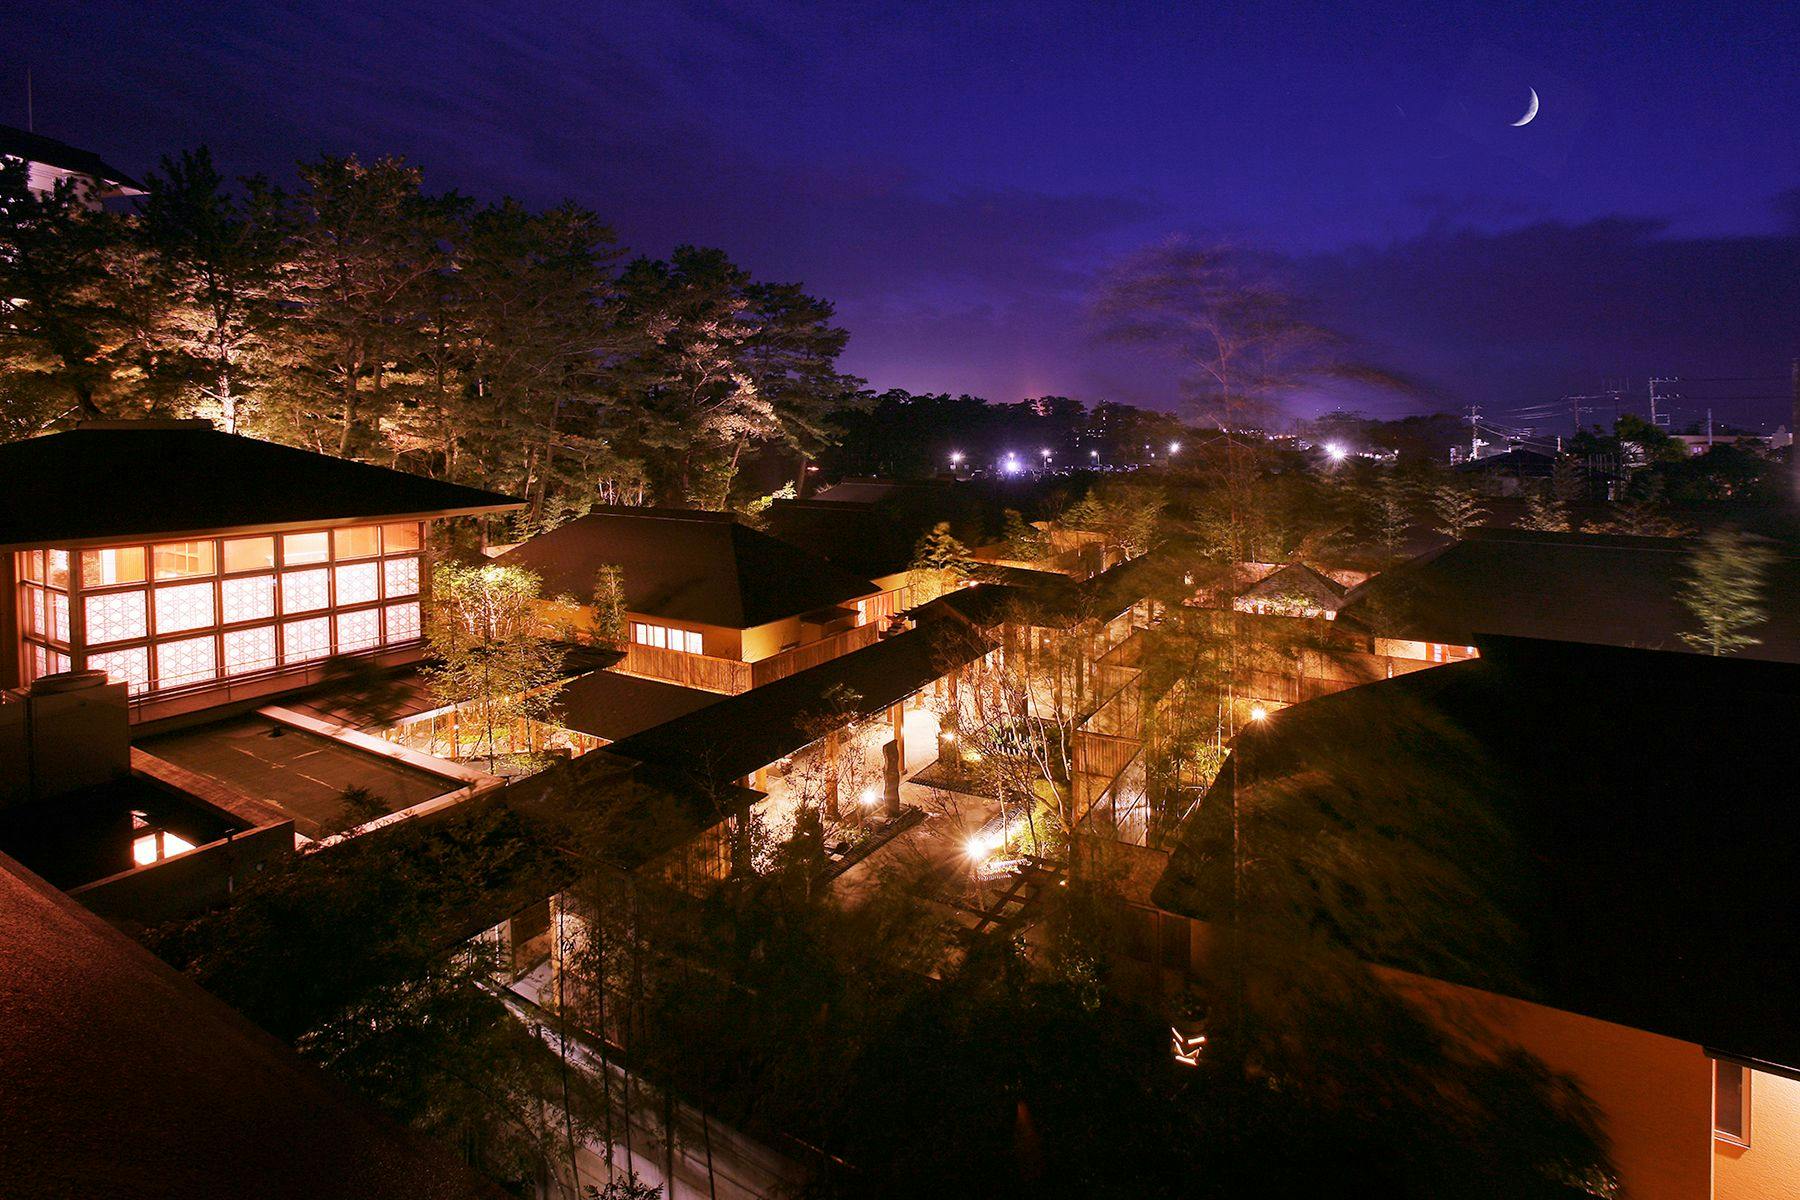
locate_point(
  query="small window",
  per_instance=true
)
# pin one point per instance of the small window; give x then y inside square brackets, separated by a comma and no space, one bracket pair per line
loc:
[1731,1102]
[103,568]
[400,539]
[249,554]
[178,560]
[34,565]
[364,541]
[299,548]
[56,568]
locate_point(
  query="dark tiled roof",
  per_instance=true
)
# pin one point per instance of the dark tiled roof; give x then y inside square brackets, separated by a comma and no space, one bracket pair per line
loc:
[731,739]
[1627,811]
[685,565]
[161,478]
[609,705]
[125,1079]
[1297,580]
[35,147]
[1594,588]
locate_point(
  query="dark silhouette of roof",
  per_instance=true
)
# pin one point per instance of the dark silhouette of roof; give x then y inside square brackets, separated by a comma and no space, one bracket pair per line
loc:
[1640,801]
[35,147]
[686,565]
[609,705]
[119,479]
[1600,589]
[1519,461]
[125,1079]
[729,740]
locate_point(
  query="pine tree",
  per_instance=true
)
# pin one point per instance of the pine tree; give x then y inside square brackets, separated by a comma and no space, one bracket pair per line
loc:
[941,560]
[1545,512]
[1727,579]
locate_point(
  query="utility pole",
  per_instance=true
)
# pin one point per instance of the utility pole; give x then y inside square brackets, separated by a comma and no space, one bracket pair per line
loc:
[1475,430]
[1655,420]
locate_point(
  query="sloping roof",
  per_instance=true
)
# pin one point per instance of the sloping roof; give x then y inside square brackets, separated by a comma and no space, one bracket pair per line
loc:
[686,565]
[609,705]
[35,147]
[739,734]
[1297,580]
[1518,461]
[162,478]
[1631,810]
[125,1079]
[1594,588]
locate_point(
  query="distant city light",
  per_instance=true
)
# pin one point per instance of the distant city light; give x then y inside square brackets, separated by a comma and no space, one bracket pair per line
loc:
[1093,454]
[1335,452]
[1011,465]
[1045,453]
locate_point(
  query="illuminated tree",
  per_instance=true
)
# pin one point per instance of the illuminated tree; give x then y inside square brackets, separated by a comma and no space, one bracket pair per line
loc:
[609,606]
[940,563]
[490,661]
[1727,580]
[1456,509]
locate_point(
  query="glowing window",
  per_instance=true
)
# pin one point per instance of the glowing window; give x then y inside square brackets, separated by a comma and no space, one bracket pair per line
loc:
[357,583]
[183,607]
[179,664]
[402,576]
[397,539]
[402,622]
[364,541]
[665,638]
[115,617]
[303,641]
[103,568]
[249,650]
[36,606]
[154,847]
[1731,1102]
[59,614]
[31,565]
[297,549]
[124,666]
[358,630]
[56,568]
[178,560]
[249,554]
[302,591]
[250,598]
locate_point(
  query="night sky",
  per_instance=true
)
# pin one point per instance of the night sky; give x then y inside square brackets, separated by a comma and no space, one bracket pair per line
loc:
[952,175]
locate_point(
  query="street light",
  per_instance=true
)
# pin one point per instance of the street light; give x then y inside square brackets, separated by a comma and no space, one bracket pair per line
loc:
[1174,447]
[956,458]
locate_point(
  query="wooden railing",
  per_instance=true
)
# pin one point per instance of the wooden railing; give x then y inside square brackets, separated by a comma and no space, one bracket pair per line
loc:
[729,676]
[801,658]
[699,671]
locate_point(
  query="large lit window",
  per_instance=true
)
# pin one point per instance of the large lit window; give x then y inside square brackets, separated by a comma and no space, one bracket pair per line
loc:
[154,847]
[179,664]
[249,649]
[664,637]
[358,630]
[398,539]
[363,541]
[402,622]
[115,617]
[302,591]
[179,560]
[1731,1102]
[357,583]
[402,576]
[303,641]
[249,598]
[249,554]
[185,606]
[298,549]
[103,568]
[130,666]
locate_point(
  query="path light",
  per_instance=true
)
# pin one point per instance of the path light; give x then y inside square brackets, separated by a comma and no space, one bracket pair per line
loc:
[1258,712]
[871,796]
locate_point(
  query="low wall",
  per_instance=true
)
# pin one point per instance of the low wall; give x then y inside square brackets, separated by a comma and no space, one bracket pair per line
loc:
[188,883]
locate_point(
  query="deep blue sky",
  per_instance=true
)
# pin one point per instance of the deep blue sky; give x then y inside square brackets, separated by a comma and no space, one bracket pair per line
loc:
[951,175]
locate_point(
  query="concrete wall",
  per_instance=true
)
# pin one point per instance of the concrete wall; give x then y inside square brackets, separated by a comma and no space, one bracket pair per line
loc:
[190,882]
[1769,1167]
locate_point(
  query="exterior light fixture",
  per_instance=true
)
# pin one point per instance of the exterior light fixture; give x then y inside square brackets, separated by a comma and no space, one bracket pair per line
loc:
[1335,452]
[871,796]
[1258,713]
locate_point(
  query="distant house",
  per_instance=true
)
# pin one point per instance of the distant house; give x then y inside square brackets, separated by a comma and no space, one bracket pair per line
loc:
[49,162]
[1509,471]
[1631,811]
[1597,589]
[707,598]
[202,568]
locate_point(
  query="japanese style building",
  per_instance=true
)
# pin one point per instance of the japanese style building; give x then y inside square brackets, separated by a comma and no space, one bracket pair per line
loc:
[49,162]
[203,568]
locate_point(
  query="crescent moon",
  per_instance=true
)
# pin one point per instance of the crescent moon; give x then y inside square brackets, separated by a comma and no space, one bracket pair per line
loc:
[1530,111]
